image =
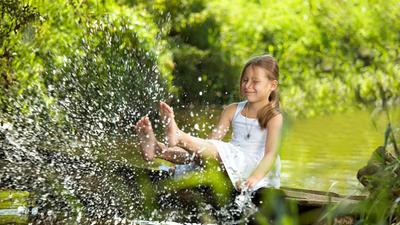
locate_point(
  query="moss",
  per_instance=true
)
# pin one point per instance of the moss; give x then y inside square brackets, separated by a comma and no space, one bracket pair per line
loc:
[13,220]
[13,198]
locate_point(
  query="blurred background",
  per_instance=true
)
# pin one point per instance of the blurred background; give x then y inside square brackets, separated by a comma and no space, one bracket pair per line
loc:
[76,74]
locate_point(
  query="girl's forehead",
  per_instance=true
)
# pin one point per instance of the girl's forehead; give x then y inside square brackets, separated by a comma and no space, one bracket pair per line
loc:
[254,71]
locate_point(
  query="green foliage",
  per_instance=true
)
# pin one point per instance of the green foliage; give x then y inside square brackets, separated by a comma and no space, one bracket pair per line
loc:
[201,73]
[90,67]
[381,176]
[327,63]
[13,199]
[332,55]
[211,175]
[276,209]
[77,70]
[70,67]
[15,16]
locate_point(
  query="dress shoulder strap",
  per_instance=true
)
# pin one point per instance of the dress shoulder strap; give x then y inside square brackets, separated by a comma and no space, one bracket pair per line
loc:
[239,108]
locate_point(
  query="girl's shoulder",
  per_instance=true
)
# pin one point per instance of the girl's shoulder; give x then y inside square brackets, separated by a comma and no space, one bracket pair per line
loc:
[230,110]
[275,122]
[232,107]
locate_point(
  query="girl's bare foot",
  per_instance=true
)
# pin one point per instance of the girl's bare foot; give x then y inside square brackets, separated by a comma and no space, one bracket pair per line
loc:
[147,140]
[172,131]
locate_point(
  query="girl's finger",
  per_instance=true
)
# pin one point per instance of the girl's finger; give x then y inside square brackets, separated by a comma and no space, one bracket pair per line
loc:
[238,186]
[249,184]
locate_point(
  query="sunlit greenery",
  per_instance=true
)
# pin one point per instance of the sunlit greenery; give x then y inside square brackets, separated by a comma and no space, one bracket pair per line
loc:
[70,52]
[85,70]
[333,55]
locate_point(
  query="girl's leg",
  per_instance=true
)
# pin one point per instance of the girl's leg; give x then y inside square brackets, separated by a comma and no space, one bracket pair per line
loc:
[176,137]
[150,147]
[176,154]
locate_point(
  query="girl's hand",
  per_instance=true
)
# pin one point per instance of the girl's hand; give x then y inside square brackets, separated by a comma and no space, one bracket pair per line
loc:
[240,186]
[251,182]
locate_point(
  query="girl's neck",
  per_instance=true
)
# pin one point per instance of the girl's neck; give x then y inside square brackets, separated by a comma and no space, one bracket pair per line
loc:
[255,106]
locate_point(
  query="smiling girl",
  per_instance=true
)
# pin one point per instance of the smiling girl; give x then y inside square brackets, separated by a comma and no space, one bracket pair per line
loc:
[251,158]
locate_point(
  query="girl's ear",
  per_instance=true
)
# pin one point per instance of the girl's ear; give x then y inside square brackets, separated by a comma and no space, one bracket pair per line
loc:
[274,85]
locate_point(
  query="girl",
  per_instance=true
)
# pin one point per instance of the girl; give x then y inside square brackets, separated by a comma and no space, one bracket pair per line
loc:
[251,158]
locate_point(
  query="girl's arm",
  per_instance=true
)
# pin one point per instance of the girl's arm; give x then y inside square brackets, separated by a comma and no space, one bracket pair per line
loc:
[271,151]
[224,122]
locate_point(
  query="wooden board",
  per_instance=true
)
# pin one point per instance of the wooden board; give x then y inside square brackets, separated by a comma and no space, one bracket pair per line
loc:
[318,198]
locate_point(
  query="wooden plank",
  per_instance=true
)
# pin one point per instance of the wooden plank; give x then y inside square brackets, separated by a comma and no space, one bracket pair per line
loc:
[318,198]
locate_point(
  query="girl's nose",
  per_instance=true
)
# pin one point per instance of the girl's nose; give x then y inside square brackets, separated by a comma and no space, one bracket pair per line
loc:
[248,84]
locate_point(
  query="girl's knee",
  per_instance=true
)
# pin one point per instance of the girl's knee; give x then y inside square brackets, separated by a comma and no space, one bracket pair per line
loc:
[209,153]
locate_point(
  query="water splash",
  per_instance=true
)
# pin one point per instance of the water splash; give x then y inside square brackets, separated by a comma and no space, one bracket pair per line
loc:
[63,141]
[68,140]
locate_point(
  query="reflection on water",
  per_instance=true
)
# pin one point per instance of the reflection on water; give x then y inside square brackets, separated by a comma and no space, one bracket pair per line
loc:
[322,153]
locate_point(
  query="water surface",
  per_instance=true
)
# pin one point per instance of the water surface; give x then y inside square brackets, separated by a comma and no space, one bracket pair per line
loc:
[325,153]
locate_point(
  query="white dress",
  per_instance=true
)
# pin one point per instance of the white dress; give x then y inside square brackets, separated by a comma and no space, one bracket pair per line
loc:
[242,154]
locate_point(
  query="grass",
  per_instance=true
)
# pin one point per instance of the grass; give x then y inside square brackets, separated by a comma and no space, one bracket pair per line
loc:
[10,199]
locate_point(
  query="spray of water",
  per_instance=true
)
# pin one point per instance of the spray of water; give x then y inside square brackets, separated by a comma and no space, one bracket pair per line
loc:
[60,141]
[65,141]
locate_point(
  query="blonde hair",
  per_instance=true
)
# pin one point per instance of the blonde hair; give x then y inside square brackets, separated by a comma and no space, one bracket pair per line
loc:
[269,64]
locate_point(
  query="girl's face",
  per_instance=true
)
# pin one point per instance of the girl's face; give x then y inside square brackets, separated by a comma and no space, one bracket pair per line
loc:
[255,84]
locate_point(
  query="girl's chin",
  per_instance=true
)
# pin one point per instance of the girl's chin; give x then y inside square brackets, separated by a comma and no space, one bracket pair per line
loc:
[251,99]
